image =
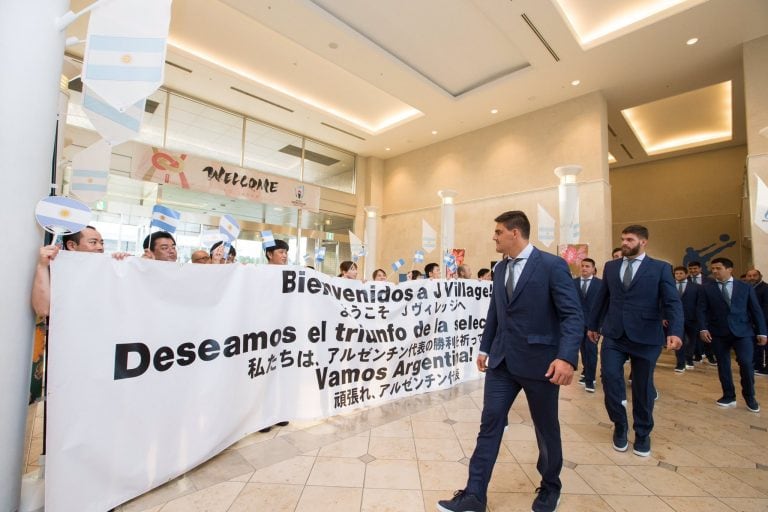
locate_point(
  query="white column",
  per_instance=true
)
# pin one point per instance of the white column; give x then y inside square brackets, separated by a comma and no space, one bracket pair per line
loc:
[370,238]
[569,203]
[31,53]
[447,225]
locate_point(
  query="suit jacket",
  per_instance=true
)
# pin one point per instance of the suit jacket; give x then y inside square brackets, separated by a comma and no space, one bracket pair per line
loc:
[638,311]
[542,322]
[740,319]
[588,302]
[690,300]
[761,290]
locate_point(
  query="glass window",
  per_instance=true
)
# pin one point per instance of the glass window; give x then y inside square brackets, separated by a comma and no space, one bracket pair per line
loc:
[271,150]
[329,167]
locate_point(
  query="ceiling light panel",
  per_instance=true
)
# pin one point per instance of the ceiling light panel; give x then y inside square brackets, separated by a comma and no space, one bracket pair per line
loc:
[599,21]
[688,120]
[461,51]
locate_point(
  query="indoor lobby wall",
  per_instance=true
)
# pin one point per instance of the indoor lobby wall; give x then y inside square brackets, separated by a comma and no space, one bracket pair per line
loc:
[691,205]
[506,166]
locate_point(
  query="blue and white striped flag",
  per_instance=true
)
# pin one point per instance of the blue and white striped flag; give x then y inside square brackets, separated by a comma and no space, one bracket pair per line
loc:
[113,125]
[165,218]
[418,256]
[125,50]
[450,261]
[399,263]
[320,254]
[61,215]
[90,172]
[229,227]
[267,239]
[305,258]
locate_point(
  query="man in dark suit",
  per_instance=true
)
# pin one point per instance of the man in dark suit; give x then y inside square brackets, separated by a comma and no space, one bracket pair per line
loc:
[530,343]
[755,278]
[729,315]
[701,350]
[689,296]
[588,287]
[638,293]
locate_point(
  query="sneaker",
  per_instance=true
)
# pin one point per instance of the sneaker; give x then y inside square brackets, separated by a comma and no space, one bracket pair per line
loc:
[697,359]
[620,443]
[582,380]
[712,361]
[642,446]
[752,405]
[761,373]
[589,387]
[461,502]
[546,500]
[680,368]
[689,366]
[726,402]
[658,395]
[282,423]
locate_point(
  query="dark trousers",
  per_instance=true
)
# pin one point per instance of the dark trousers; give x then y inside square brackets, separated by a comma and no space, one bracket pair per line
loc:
[501,389]
[642,359]
[743,347]
[686,352]
[588,352]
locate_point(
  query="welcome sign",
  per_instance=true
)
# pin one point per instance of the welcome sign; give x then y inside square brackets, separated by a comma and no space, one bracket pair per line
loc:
[166,365]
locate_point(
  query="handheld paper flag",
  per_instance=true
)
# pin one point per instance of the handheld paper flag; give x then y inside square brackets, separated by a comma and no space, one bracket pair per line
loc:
[165,218]
[267,239]
[356,246]
[61,215]
[125,50]
[229,227]
[399,263]
[418,257]
[90,172]
[113,125]
[450,261]
[320,254]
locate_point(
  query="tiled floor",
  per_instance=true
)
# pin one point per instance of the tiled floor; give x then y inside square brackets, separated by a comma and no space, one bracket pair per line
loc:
[406,455]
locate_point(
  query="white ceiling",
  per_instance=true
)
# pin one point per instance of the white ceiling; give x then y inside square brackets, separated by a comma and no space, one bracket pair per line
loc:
[367,75]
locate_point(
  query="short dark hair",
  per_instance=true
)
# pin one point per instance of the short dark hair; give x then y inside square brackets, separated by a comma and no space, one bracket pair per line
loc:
[482,272]
[636,229]
[725,261]
[430,267]
[616,249]
[681,268]
[279,244]
[694,264]
[415,274]
[589,260]
[154,237]
[515,219]
[373,276]
[74,237]
[232,251]
[344,266]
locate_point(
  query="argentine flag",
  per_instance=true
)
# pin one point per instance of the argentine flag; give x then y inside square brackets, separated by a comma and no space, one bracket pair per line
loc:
[112,124]
[61,215]
[399,263]
[267,239]
[320,254]
[450,261]
[165,218]
[229,227]
[90,172]
[418,257]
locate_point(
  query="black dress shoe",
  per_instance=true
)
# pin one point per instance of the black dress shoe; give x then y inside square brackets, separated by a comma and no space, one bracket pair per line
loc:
[620,443]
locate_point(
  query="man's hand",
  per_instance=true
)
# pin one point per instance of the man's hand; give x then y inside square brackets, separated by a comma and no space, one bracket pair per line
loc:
[593,336]
[120,255]
[560,372]
[482,362]
[762,340]
[674,343]
[705,336]
[47,255]
[148,254]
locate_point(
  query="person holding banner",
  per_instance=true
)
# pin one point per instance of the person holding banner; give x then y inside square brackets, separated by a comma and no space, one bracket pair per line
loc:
[160,246]
[531,343]
[379,275]
[217,253]
[348,270]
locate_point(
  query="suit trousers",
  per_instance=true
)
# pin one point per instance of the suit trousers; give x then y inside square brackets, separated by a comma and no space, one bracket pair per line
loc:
[686,352]
[743,347]
[642,359]
[588,359]
[501,389]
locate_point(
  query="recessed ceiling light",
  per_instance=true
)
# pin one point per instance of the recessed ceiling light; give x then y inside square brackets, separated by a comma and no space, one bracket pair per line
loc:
[575,82]
[494,111]
[333,45]
[692,41]
[434,132]
[387,149]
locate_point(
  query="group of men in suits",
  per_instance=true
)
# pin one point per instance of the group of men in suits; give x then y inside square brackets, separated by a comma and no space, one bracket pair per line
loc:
[538,319]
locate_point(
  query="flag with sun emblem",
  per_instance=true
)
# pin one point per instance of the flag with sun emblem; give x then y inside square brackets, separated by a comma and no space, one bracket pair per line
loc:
[90,172]
[125,50]
[229,227]
[165,218]
[62,215]
[112,124]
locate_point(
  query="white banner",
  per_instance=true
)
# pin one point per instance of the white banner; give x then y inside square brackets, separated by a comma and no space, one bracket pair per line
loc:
[546,227]
[758,165]
[165,365]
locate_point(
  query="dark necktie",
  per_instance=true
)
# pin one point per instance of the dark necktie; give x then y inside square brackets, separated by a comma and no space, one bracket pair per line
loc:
[627,278]
[726,293]
[680,287]
[584,283]
[511,278]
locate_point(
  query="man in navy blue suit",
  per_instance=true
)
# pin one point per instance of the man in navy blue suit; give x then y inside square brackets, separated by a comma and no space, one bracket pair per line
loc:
[689,296]
[530,343]
[755,278]
[638,293]
[729,317]
[588,287]
[701,350]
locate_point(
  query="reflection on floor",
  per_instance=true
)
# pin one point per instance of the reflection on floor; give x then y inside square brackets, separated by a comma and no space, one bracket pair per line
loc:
[406,455]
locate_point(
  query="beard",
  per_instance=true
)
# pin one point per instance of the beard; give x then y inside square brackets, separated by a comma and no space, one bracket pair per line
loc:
[630,251]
